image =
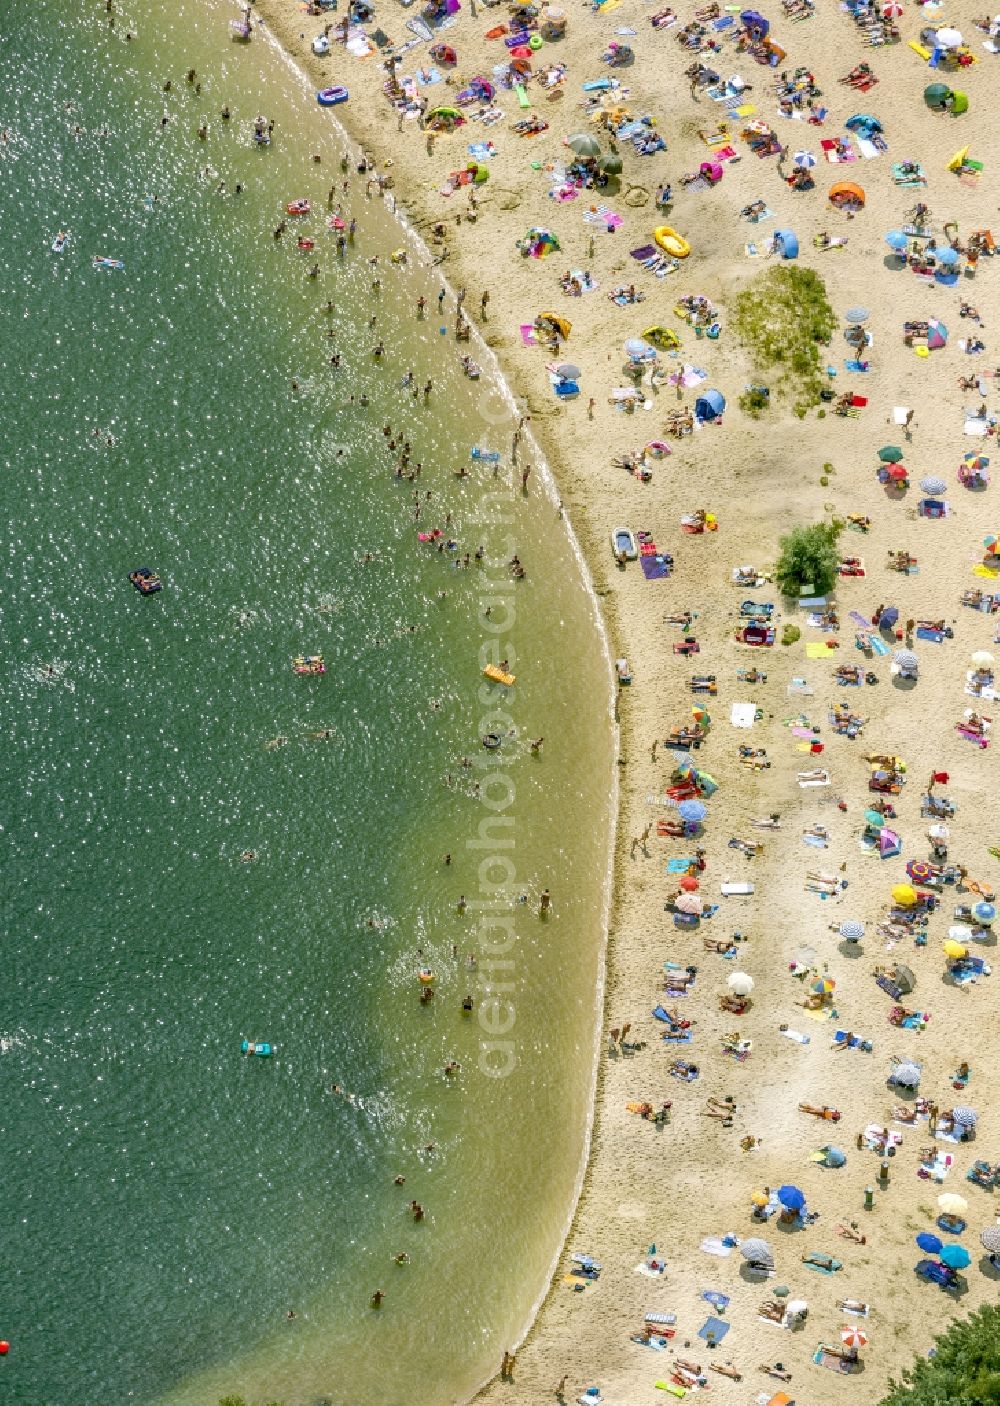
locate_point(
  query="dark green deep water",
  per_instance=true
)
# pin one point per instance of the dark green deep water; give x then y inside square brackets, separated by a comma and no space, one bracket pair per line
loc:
[164,1201]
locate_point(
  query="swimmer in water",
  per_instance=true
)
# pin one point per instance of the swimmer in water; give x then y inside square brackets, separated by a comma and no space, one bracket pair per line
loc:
[275,742]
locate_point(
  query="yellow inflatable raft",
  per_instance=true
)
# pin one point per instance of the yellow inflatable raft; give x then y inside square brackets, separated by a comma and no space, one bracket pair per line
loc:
[498,676]
[671,242]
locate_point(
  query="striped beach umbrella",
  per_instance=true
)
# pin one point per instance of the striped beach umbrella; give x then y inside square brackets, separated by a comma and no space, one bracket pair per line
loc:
[852,1336]
[851,930]
[906,659]
[804,158]
[823,986]
[933,486]
[891,10]
[990,1239]
[964,1116]
[907,1074]
[756,1251]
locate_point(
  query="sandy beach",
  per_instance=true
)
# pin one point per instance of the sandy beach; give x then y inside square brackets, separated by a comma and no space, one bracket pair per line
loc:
[687,1185]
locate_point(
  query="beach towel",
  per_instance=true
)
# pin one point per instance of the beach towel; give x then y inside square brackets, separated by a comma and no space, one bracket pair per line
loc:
[679,866]
[655,568]
[830,152]
[714,1328]
[717,1300]
[868,149]
[819,650]
[714,1245]
[528,335]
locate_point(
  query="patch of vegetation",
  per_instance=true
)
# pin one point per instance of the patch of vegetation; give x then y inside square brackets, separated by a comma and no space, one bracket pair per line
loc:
[754,402]
[964,1371]
[808,560]
[783,318]
[790,633]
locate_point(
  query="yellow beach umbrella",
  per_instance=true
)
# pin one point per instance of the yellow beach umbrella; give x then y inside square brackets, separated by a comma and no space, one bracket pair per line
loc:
[954,949]
[959,157]
[905,895]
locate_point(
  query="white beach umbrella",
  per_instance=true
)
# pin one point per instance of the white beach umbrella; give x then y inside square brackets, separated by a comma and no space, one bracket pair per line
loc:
[938,832]
[740,984]
[757,1251]
[982,659]
[952,1204]
[947,39]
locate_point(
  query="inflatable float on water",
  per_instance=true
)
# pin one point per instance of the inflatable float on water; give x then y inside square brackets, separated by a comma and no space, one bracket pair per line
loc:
[330,97]
[671,242]
[298,207]
[262,1048]
[101,261]
[308,664]
[60,242]
[145,580]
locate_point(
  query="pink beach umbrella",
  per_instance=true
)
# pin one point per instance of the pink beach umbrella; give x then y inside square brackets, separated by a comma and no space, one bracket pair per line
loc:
[690,903]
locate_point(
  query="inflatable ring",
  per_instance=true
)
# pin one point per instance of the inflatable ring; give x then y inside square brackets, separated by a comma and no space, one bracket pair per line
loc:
[491,740]
[671,242]
[535,42]
[425,975]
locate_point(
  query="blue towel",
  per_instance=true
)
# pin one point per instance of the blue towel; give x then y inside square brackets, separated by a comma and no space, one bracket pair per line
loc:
[879,646]
[935,636]
[679,1039]
[679,866]
[717,1328]
[717,1300]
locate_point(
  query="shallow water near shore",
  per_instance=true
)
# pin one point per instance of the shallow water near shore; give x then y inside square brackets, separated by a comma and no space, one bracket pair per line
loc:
[167,1200]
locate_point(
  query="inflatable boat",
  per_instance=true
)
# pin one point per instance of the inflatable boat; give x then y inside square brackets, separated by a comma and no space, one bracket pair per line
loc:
[146,582]
[308,664]
[671,242]
[60,242]
[101,261]
[623,544]
[330,97]
[262,1048]
[298,207]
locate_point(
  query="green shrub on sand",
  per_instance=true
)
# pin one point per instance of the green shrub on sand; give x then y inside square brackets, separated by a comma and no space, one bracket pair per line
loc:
[783,318]
[808,560]
[965,1368]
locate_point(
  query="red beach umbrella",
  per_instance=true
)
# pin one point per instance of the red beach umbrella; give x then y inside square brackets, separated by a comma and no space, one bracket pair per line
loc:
[689,884]
[897,472]
[892,10]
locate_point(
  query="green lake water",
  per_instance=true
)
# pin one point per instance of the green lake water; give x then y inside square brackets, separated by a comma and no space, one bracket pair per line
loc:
[165,1200]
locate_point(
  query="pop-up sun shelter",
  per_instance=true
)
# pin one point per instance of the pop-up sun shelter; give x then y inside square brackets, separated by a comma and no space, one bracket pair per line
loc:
[709,406]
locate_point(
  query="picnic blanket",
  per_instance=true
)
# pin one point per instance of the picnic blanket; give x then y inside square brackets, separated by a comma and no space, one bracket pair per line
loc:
[833,155]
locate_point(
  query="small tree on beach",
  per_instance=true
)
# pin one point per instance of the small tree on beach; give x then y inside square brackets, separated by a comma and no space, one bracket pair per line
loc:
[964,1371]
[808,559]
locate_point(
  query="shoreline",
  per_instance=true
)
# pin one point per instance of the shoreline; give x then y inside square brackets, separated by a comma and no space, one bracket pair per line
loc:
[502,374]
[757,493]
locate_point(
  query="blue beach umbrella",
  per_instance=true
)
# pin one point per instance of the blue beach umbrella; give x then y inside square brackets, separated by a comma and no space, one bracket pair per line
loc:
[897,240]
[946,255]
[791,1198]
[930,1244]
[692,811]
[834,1157]
[851,930]
[889,616]
[956,1257]
[984,912]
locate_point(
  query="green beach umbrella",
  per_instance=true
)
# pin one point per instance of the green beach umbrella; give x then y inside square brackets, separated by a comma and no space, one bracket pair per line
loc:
[611,165]
[584,144]
[890,454]
[935,94]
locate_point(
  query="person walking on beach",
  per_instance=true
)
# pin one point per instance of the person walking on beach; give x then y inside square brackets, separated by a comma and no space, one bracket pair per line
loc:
[545,904]
[484,302]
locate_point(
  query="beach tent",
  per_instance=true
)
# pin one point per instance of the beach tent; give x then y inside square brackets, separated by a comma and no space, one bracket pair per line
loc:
[538,242]
[709,406]
[846,193]
[786,242]
[662,337]
[864,123]
[558,323]
[711,171]
[937,334]
[755,24]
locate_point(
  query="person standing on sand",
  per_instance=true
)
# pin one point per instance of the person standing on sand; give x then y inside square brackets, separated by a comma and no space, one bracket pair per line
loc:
[545,904]
[484,303]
